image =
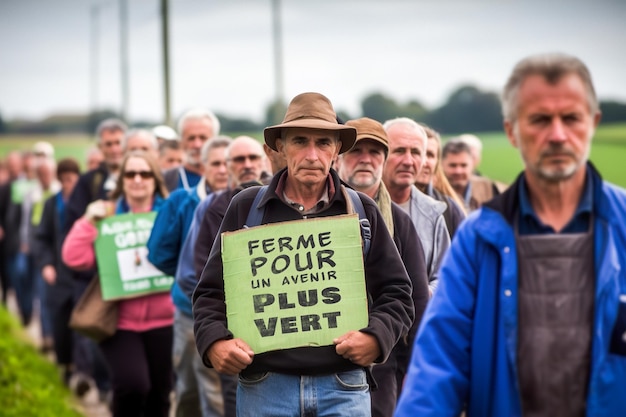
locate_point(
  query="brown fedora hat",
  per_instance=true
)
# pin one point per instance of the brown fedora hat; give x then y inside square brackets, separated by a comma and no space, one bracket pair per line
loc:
[311,111]
[367,128]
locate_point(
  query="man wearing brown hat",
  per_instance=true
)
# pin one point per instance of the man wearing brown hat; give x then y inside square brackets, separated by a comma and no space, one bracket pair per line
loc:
[362,168]
[329,378]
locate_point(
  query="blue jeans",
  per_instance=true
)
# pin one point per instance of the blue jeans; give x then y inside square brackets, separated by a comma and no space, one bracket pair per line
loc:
[45,313]
[22,280]
[280,395]
[199,390]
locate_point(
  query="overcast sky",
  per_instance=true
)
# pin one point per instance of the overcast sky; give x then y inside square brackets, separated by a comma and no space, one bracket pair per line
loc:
[222,55]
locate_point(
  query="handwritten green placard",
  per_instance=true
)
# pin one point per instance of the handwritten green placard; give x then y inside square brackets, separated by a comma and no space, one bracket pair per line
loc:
[294,284]
[124,269]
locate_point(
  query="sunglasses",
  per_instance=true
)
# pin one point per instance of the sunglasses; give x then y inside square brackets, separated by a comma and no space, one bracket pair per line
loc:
[242,158]
[143,174]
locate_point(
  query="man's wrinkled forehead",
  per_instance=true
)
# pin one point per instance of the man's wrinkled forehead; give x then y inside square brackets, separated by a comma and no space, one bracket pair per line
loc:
[244,148]
[369,143]
[294,132]
[413,135]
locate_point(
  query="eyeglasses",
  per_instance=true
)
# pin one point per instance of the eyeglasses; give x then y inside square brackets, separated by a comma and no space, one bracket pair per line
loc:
[143,174]
[242,158]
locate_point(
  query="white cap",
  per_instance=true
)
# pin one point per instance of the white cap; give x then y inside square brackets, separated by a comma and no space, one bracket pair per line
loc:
[44,149]
[165,132]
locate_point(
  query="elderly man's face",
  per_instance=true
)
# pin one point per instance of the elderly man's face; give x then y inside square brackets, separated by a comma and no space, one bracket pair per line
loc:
[140,142]
[195,133]
[14,164]
[554,127]
[309,153]
[406,149]
[246,161]
[362,166]
[111,147]
[215,170]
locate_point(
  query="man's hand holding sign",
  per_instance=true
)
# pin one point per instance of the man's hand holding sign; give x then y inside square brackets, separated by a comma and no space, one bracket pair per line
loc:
[230,356]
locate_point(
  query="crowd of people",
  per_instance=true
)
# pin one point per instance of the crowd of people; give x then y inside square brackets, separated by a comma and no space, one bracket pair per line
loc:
[478,297]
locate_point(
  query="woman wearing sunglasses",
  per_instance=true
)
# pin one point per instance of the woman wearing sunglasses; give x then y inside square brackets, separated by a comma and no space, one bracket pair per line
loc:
[139,354]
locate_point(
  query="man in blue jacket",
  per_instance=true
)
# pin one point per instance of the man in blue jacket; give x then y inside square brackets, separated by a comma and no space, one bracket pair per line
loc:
[530,315]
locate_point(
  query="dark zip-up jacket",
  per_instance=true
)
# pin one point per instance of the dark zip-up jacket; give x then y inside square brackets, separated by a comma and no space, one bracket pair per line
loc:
[391,310]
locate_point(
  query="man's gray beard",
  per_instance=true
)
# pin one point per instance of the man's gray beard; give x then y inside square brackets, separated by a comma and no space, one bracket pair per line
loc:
[361,184]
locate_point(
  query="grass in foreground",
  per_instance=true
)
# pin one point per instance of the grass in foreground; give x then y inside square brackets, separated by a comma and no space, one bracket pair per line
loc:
[29,384]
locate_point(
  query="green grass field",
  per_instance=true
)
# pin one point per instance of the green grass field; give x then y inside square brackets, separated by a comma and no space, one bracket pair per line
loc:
[500,160]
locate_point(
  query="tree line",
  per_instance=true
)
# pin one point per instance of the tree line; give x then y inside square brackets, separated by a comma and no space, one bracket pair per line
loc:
[467,109]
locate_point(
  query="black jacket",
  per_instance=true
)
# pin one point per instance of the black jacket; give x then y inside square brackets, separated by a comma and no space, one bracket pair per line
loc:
[89,188]
[10,218]
[391,310]
[48,244]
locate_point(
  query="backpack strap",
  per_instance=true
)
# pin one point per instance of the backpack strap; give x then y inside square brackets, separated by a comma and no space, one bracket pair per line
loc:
[255,215]
[355,205]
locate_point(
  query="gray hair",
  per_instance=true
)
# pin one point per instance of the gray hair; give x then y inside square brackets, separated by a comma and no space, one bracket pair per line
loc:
[169,144]
[472,141]
[140,132]
[199,114]
[110,124]
[411,124]
[455,146]
[247,139]
[552,67]
[214,143]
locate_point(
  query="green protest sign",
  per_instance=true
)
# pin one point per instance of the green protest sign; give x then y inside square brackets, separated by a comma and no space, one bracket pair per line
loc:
[293,284]
[19,189]
[124,269]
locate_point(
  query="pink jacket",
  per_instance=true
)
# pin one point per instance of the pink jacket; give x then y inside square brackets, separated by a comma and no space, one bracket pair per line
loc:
[136,314]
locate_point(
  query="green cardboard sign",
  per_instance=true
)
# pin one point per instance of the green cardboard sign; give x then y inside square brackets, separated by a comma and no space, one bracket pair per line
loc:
[19,189]
[294,284]
[124,269]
